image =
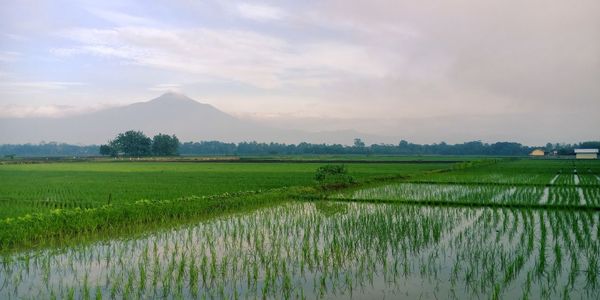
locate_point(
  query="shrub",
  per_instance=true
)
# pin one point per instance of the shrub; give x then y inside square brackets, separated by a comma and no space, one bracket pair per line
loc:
[333,176]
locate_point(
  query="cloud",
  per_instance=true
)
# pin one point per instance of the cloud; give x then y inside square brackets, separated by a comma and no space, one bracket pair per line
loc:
[166,87]
[16,37]
[378,59]
[37,85]
[46,111]
[9,56]
[120,18]
[235,55]
[260,12]
[536,53]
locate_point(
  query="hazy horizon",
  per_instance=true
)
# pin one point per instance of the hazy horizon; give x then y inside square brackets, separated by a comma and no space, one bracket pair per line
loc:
[420,71]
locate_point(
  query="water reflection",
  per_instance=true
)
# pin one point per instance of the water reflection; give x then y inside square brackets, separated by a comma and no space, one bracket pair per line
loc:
[330,250]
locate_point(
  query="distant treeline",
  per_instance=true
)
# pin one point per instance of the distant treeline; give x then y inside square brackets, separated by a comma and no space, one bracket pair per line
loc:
[48,149]
[254,148]
[402,148]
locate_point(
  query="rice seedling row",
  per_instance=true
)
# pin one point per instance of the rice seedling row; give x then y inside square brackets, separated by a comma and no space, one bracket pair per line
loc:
[479,195]
[521,172]
[331,250]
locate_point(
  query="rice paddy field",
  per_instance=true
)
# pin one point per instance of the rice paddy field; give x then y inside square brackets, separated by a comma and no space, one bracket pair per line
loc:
[31,188]
[522,183]
[498,229]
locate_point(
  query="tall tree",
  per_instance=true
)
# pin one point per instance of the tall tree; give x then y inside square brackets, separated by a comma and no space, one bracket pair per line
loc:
[132,143]
[358,143]
[107,150]
[165,145]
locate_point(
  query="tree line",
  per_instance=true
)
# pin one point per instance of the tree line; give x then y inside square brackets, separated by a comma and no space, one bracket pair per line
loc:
[136,143]
[47,149]
[402,148]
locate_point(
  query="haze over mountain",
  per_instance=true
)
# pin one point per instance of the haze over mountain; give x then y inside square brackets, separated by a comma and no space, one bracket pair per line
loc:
[171,113]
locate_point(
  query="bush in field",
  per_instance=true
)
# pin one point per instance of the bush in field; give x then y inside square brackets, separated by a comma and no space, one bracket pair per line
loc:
[333,176]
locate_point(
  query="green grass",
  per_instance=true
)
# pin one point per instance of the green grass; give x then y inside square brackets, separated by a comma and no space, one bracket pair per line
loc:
[29,188]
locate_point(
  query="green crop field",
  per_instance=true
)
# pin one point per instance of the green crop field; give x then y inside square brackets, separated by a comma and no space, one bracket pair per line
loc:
[524,183]
[491,229]
[29,188]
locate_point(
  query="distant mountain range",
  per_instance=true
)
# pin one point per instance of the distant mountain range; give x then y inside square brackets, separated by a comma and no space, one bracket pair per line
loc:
[170,113]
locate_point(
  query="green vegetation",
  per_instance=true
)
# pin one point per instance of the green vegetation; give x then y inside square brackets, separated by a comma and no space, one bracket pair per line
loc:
[165,145]
[524,229]
[333,176]
[523,183]
[37,229]
[30,188]
[474,148]
[136,143]
[315,250]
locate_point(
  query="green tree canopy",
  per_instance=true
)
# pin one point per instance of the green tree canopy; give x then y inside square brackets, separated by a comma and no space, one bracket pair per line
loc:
[165,145]
[107,150]
[132,143]
[358,143]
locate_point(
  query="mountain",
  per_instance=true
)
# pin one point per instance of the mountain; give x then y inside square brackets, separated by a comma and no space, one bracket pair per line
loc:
[171,113]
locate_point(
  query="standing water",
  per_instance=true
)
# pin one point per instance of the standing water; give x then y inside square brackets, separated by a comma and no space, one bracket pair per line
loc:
[329,250]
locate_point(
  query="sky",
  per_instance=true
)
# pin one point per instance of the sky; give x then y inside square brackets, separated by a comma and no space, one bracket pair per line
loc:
[425,71]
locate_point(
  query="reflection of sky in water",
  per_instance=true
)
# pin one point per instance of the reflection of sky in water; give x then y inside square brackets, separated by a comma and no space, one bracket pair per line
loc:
[479,194]
[330,250]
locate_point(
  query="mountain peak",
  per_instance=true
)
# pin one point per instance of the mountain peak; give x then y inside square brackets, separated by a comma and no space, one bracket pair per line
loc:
[171,96]
[172,113]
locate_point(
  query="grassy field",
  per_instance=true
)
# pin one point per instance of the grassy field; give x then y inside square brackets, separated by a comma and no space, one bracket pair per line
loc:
[29,188]
[495,229]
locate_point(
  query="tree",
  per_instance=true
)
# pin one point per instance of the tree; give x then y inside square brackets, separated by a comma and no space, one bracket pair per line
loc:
[132,143]
[590,144]
[165,145]
[107,150]
[358,143]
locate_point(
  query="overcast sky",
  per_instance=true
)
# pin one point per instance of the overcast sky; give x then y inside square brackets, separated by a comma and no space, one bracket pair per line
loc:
[426,71]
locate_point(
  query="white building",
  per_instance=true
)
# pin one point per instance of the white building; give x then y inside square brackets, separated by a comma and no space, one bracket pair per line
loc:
[586,153]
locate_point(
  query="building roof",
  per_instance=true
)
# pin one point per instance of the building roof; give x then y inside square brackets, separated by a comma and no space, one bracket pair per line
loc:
[537,152]
[586,151]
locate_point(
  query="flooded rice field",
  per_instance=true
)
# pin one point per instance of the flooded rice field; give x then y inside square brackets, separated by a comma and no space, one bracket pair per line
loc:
[331,250]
